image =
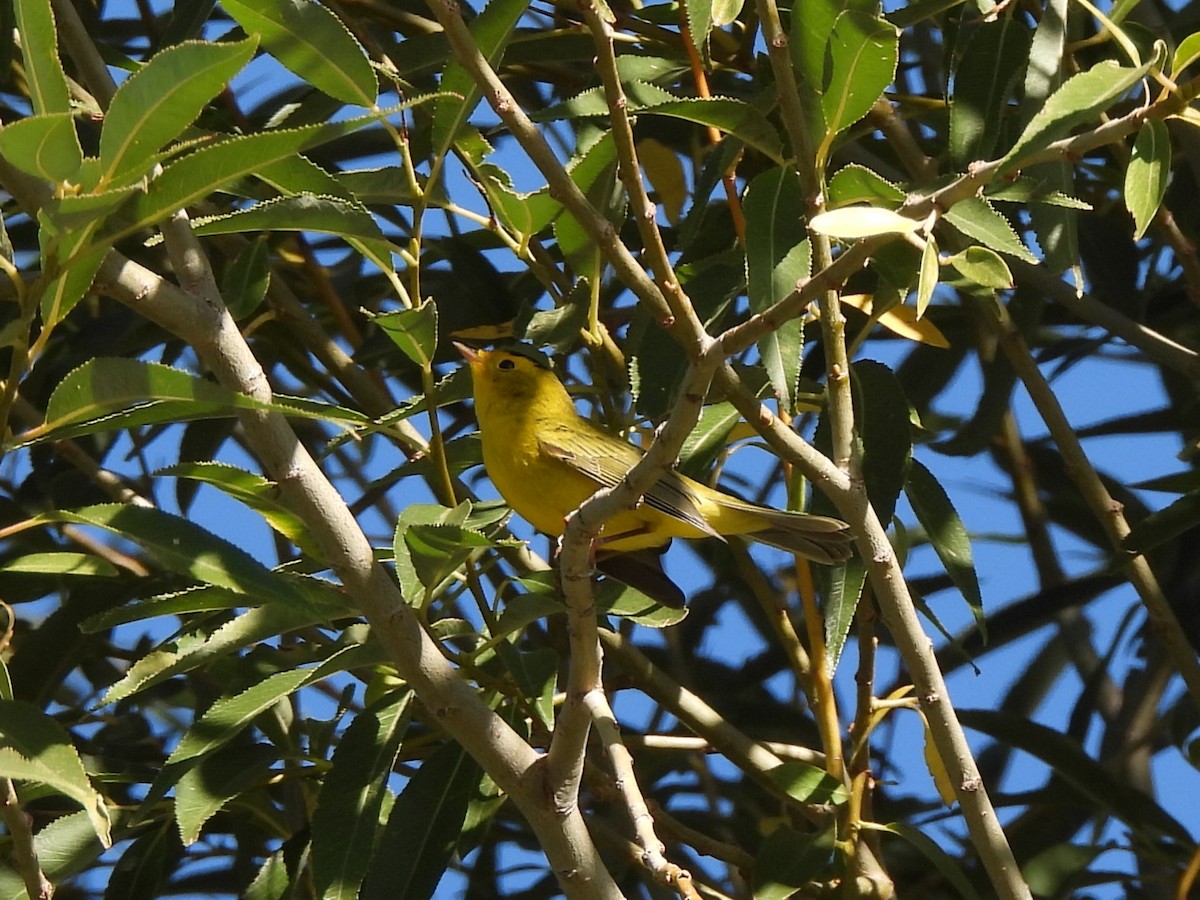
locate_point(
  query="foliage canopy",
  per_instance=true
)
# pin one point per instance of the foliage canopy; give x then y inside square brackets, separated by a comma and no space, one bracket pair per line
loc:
[264,637]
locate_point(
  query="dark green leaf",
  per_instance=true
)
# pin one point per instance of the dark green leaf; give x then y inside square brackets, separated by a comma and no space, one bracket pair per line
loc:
[863,51]
[882,412]
[947,534]
[777,256]
[787,860]
[219,778]
[807,783]
[984,82]
[346,820]
[423,828]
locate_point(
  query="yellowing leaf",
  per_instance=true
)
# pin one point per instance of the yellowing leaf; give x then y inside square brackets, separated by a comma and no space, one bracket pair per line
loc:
[666,174]
[485,332]
[933,761]
[901,321]
[852,222]
[928,278]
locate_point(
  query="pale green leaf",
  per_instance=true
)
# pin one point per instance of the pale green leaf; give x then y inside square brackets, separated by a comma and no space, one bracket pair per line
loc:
[155,104]
[1147,174]
[64,563]
[927,280]
[312,43]
[185,548]
[858,184]
[788,860]
[1186,53]
[852,222]
[984,267]
[47,83]
[45,146]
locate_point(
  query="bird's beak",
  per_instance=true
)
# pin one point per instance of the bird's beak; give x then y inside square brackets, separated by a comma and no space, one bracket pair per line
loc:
[471,356]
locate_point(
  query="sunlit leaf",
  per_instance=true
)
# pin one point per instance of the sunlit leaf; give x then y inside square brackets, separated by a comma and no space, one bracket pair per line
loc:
[1146,176]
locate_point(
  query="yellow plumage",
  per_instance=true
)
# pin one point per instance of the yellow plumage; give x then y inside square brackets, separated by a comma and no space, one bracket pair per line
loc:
[545,460]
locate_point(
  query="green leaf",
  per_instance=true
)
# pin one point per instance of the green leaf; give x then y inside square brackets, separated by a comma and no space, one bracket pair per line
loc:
[807,783]
[247,278]
[1186,53]
[195,176]
[155,104]
[927,280]
[192,651]
[708,438]
[984,82]
[536,674]
[61,564]
[886,430]
[414,331]
[346,820]
[1146,177]
[258,493]
[977,218]
[491,31]
[863,51]
[984,267]
[229,716]
[423,828]
[347,219]
[1079,99]
[145,866]
[857,184]
[220,777]
[1165,525]
[732,116]
[272,881]
[787,860]
[44,75]
[700,23]
[33,747]
[777,257]
[947,865]
[313,44]
[843,590]
[853,222]
[185,548]
[44,145]
[947,534]
[125,393]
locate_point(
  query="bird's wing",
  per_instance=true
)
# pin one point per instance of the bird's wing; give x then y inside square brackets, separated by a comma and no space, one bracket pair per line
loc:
[606,460]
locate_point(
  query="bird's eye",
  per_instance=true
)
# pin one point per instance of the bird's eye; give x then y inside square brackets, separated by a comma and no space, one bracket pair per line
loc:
[507,364]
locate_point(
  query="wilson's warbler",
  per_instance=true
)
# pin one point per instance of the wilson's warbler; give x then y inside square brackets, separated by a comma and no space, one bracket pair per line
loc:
[545,460]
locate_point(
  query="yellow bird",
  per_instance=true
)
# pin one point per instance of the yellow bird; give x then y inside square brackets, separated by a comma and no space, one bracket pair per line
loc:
[545,460]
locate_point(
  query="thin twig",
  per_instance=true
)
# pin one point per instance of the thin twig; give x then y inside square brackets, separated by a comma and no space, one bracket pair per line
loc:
[18,823]
[1107,511]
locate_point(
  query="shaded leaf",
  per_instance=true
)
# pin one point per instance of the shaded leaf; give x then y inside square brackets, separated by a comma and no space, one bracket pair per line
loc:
[423,827]
[947,534]
[984,82]
[346,820]
[881,409]
[787,860]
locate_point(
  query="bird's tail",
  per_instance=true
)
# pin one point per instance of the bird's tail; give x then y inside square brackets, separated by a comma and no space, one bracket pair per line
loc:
[820,538]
